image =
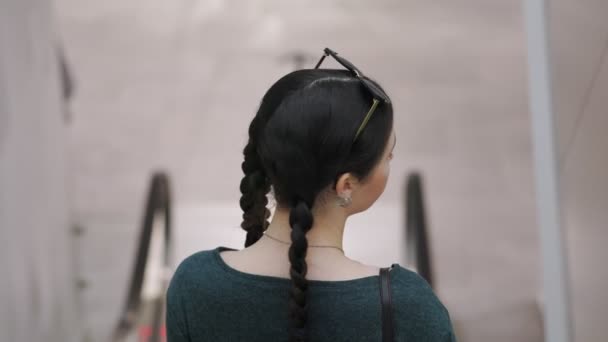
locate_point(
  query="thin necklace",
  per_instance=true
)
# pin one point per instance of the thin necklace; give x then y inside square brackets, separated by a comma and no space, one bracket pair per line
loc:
[287,243]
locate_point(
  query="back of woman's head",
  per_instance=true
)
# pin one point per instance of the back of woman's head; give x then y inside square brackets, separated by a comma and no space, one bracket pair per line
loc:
[300,142]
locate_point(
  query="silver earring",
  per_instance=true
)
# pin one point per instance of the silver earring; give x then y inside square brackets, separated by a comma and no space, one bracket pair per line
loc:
[344,201]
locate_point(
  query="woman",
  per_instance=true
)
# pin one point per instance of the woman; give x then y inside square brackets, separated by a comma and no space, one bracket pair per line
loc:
[322,141]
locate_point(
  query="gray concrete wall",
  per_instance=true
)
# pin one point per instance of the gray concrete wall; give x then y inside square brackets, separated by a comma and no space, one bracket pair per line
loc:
[37,294]
[580,53]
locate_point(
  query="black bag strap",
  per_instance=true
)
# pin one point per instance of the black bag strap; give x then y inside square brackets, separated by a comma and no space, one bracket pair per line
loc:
[388,329]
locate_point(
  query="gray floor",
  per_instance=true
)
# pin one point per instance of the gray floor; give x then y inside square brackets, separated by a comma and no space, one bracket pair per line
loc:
[174,85]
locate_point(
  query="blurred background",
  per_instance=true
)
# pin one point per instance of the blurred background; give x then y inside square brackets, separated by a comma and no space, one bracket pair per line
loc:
[96,97]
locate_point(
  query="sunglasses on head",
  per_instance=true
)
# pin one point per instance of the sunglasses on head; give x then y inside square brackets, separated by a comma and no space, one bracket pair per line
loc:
[377,93]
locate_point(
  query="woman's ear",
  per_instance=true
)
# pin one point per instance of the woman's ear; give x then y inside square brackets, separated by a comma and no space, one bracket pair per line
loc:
[346,184]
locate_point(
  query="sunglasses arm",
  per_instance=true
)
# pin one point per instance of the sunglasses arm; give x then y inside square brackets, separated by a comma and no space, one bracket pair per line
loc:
[321,60]
[366,119]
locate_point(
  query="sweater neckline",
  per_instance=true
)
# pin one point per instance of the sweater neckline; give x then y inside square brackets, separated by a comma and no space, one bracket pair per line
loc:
[357,282]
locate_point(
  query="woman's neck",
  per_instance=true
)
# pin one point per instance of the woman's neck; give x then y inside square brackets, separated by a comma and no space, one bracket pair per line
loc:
[327,229]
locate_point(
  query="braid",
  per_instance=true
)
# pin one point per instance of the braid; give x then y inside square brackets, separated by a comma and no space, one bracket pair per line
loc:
[301,220]
[254,187]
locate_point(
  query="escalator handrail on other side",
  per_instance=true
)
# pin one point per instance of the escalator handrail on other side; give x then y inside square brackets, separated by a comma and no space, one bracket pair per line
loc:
[417,239]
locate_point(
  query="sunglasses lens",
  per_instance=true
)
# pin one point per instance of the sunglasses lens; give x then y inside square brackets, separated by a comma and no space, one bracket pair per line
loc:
[376,92]
[347,64]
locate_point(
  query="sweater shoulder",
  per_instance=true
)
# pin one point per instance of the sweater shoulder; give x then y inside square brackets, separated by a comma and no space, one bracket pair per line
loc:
[418,309]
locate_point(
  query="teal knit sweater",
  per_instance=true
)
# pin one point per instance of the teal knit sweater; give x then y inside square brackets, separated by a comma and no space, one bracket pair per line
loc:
[208,300]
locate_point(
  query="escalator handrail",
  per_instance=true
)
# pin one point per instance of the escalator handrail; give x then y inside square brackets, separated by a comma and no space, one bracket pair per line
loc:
[417,238]
[158,201]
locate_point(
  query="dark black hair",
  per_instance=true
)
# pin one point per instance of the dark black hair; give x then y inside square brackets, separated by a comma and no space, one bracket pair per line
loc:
[300,142]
